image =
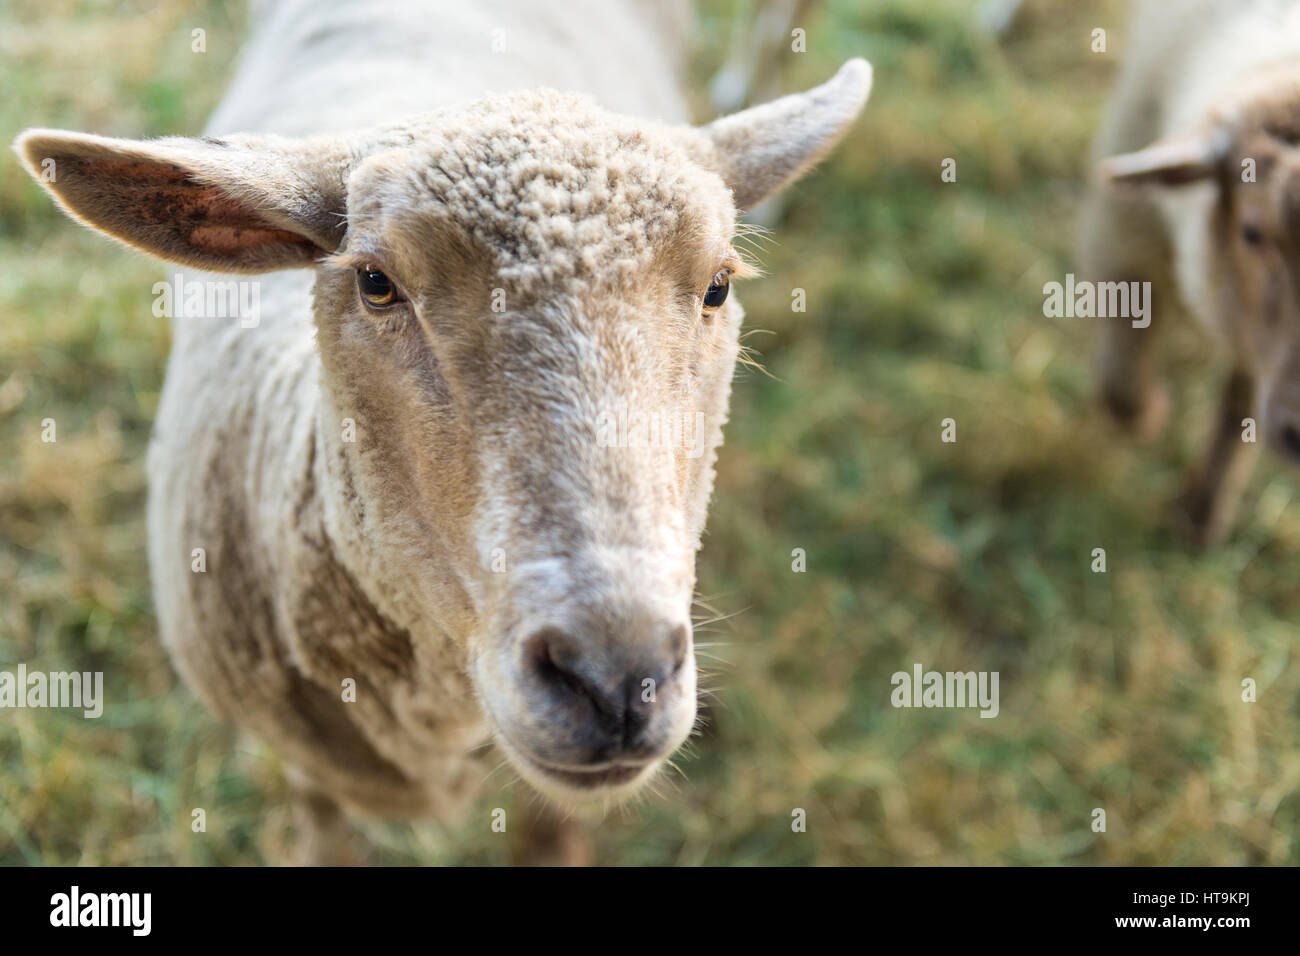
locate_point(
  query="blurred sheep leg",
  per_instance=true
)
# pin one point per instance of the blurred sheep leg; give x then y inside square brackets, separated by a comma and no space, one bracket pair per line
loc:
[325,837]
[1210,500]
[1123,239]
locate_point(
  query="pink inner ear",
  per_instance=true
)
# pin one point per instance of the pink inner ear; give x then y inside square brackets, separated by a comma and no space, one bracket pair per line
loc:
[232,226]
[230,238]
[203,216]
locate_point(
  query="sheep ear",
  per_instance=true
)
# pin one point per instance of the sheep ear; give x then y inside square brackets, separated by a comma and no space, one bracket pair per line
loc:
[1176,161]
[761,150]
[243,204]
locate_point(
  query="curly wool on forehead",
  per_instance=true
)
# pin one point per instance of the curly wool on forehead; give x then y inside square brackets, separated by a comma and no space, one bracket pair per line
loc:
[559,189]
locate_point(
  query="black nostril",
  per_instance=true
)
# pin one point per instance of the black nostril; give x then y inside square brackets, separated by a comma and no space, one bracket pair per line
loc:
[556,660]
[1291,441]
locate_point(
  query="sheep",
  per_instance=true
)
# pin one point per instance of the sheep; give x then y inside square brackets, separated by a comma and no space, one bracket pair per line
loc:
[1196,192]
[388,525]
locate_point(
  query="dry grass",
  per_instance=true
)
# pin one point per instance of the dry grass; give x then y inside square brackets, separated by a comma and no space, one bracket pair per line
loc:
[1119,691]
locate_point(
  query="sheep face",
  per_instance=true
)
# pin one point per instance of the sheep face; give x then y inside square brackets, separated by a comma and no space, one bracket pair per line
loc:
[526,343]
[532,303]
[1256,251]
[532,308]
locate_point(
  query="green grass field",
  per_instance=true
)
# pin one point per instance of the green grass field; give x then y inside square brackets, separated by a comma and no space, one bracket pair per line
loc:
[1119,691]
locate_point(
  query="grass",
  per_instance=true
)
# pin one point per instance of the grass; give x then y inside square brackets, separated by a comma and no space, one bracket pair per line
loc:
[1119,691]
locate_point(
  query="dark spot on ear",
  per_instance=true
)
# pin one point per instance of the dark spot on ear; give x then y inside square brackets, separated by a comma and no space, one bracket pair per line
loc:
[213,141]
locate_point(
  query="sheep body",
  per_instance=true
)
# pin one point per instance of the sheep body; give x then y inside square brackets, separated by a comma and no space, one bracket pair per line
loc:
[1195,148]
[386,525]
[266,634]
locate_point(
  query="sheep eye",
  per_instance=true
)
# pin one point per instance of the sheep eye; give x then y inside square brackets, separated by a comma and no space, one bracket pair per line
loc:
[1252,235]
[376,288]
[717,291]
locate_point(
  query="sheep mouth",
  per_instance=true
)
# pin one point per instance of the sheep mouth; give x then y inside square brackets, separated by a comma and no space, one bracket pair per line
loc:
[610,776]
[615,776]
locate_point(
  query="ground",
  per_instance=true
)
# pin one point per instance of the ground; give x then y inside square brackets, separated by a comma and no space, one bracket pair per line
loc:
[1119,690]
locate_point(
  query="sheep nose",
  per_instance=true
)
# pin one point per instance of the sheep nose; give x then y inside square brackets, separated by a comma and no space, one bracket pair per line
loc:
[606,692]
